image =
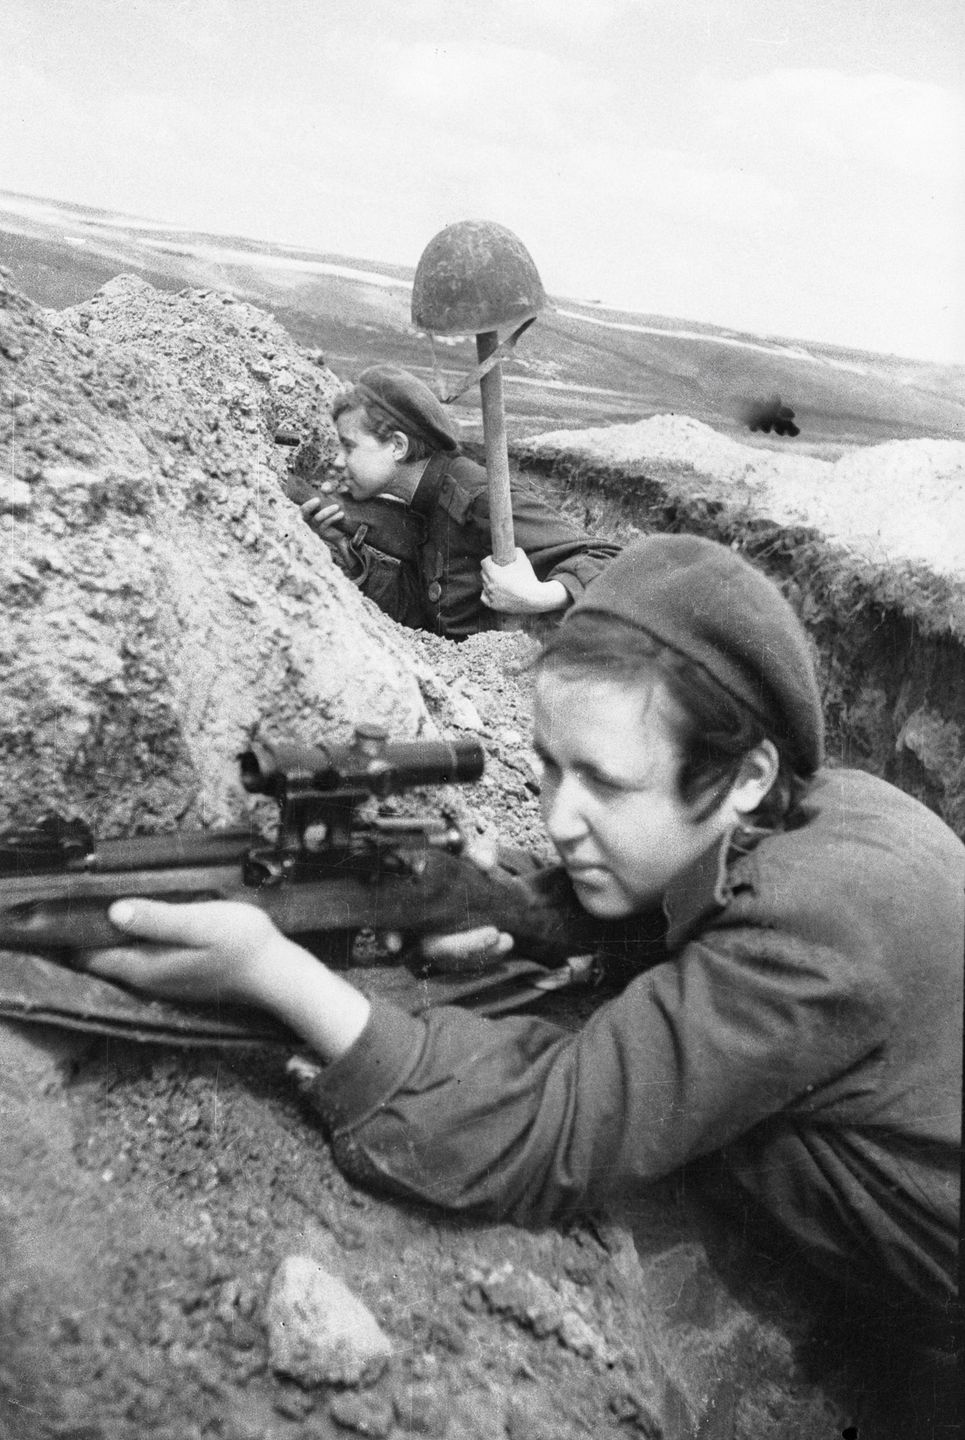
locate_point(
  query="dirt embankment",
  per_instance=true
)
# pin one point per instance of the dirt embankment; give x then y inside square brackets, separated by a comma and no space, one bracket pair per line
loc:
[163,603]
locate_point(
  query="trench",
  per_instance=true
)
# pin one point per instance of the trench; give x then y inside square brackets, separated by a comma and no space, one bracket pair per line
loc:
[889,645]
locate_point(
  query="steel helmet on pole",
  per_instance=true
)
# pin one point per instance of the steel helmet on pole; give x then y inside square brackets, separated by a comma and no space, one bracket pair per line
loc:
[472,278]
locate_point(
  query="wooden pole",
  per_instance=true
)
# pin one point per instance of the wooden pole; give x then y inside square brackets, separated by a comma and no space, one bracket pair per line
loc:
[497,453]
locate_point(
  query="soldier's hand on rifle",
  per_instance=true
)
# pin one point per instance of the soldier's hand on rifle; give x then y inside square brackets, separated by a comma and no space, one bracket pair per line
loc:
[323,514]
[515,588]
[225,950]
[325,517]
[464,950]
[212,950]
[470,950]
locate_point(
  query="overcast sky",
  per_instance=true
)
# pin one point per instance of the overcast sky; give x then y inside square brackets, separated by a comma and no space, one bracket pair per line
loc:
[793,167]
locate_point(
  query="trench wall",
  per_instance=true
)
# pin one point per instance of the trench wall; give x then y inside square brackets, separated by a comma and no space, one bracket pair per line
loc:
[889,640]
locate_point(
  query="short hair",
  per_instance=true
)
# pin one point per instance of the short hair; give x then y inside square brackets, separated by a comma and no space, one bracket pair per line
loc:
[715,731]
[380,423]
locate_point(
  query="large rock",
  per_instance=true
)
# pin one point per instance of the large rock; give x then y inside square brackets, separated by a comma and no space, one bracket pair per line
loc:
[319,1333]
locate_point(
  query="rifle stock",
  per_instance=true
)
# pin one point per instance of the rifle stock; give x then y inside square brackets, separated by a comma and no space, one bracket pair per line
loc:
[446,894]
[386,524]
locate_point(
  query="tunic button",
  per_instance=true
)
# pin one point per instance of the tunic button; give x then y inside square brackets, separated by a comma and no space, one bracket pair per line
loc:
[435,591]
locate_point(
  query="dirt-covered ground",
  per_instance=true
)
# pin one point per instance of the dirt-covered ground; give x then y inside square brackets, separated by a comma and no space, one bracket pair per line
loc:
[163,603]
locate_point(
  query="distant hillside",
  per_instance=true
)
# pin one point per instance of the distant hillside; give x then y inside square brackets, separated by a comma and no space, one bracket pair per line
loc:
[581,364]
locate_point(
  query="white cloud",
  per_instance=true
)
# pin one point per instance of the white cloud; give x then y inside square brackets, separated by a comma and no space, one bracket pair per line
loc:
[486,91]
[635,183]
[542,24]
[200,25]
[571,20]
[887,120]
[33,111]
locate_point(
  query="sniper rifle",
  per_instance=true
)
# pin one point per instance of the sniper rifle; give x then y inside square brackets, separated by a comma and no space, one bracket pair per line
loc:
[326,869]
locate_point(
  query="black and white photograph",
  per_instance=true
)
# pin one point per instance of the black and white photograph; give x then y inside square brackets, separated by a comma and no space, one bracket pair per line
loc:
[482,717]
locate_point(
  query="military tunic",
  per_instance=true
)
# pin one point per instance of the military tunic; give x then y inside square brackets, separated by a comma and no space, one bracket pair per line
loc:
[803,1027]
[436,585]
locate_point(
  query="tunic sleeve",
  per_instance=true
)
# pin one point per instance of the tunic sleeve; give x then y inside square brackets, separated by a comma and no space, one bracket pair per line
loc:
[557,549]
[516,1118]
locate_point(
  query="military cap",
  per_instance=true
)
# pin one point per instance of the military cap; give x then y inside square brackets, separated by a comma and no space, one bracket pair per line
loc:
[707,603]
[409,403]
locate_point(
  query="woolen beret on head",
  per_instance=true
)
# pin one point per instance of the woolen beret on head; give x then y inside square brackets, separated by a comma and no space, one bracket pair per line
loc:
[409,402]
[709,604]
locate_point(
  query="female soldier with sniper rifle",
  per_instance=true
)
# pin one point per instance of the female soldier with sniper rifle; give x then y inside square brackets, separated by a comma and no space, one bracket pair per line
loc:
[796,1044]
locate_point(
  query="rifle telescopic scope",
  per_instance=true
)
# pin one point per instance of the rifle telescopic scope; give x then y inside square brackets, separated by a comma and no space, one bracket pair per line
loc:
[370,764]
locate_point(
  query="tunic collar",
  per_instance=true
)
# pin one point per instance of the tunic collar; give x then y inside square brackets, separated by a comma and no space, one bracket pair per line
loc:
[426,494]
[700,893]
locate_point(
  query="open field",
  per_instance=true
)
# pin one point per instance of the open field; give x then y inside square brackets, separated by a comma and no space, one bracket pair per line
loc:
[580,365]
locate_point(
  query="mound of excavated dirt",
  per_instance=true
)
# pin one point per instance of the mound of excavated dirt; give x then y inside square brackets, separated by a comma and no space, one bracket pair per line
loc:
[163,601]
[901,501]
[161,604]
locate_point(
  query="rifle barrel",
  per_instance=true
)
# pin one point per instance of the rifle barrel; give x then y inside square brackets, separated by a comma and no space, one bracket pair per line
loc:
[182,849]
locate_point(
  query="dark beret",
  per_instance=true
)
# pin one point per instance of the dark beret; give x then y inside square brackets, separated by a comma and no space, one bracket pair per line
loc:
[409,402]
[708,603]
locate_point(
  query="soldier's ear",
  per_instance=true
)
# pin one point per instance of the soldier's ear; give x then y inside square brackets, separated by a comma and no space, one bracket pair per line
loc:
[399,441]
[757,774]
